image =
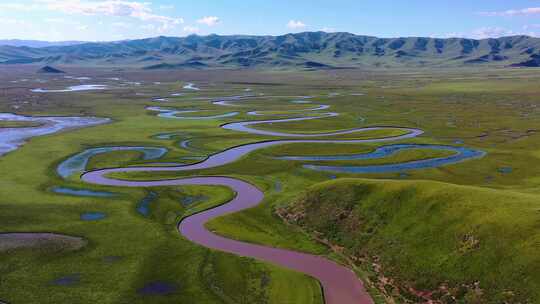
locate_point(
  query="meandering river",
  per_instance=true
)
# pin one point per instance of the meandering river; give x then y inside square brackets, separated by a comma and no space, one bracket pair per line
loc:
[340,284]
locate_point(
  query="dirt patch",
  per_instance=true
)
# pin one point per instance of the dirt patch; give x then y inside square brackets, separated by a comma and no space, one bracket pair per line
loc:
[53,241]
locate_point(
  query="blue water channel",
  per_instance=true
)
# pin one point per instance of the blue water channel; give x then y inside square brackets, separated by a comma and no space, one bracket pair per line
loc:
[461,154]
[82,192]
[77,163]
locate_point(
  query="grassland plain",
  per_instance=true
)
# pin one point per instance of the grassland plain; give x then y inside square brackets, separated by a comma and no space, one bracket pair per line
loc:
[495,111]
[18,124]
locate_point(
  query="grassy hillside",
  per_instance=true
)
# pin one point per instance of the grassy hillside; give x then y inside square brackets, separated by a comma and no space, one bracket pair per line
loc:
[309,50]
[478,245]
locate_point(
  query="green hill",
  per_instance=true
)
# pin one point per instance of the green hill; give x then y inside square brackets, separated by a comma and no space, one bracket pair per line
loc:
[309,50]
[435,236]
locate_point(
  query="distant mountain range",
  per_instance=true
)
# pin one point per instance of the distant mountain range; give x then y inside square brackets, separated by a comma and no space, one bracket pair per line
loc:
[309,50]
[37,43]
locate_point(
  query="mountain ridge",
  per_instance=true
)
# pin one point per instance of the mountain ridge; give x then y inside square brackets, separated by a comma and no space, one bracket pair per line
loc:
[36,43]
[306,50]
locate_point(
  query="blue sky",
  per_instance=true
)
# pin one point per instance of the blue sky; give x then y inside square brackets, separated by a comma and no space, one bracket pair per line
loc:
[101,20]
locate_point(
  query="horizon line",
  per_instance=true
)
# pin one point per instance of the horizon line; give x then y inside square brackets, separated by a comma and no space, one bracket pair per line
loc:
[250,35]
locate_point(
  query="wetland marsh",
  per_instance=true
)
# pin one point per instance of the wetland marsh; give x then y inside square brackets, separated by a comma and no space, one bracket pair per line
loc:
[240,208]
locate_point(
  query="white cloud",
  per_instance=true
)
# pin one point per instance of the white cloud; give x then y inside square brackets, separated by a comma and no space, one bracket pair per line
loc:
[209,20]
[296,24]
[121,25]
[116,8]
[513,12]
[492,32]
[55,20]
[82,27]
[166,7]
[191,29]
[18,6]
[531,27]
[61,21]
[148,27]
[328,29]
[11,21]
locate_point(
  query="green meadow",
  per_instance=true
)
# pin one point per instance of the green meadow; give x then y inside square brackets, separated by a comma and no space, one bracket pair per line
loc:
[462,233]
[18,124]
